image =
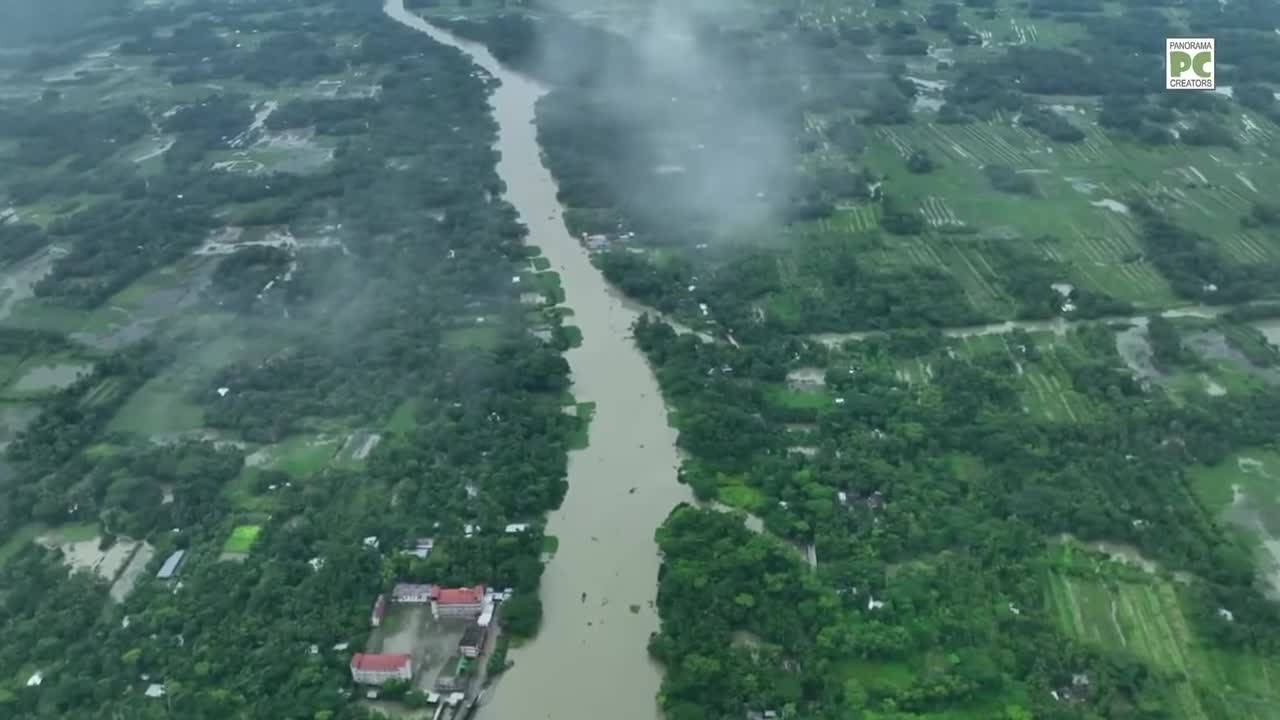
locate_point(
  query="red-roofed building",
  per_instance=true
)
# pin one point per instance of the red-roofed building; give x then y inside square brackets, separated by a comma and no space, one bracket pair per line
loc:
[457,602]
[379,609]
[378,669]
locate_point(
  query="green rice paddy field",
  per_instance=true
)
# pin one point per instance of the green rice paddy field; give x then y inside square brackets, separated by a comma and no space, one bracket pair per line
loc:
[1124,611]
[1078,215]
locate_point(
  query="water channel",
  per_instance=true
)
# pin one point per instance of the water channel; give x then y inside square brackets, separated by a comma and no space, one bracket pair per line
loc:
[589,661]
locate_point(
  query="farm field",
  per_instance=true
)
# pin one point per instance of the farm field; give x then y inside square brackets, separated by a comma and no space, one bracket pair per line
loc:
[1128,611]
[241,539]
[1078,216]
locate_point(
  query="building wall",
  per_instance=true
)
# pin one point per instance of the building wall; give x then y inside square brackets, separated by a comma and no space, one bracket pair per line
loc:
[471,610]
[375,677]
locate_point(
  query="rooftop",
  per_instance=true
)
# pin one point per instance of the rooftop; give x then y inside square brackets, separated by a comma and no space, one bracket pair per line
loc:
[410,589]
[459,596]
[171,565]
[378,663]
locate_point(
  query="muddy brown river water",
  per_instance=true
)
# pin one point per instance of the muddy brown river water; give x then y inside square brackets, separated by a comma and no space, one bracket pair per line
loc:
[589,661]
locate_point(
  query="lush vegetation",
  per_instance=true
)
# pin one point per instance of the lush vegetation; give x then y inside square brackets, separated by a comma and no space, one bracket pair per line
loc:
[275,227]
[249,316]
[947,484]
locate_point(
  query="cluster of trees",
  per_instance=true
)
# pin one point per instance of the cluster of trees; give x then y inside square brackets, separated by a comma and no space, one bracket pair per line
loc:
[46,134]
[1052,125]
[1195,266]
[1030,279]
[19,240]
[78,412]
[241,277]
[1007,179]
[114,243]
[195,52]
[1262,214]
[1167,351]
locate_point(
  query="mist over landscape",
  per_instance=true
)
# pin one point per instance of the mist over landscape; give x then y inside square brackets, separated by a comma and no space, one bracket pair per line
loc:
[641,360]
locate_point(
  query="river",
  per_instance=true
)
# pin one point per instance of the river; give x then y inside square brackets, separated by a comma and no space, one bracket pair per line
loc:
[590,659]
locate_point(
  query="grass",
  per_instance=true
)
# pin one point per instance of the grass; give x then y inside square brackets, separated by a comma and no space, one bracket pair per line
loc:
[8,368]
[896,675]
[735,493]
[59,371]
[303,455]
[1049,396]
[798,400]
[40,315]
[580,437]
[403,418]
[480,337]
[163,404]
[19,539]
[46,211]
[242,539]
[160,406]
[102,450]
[1255,472]
[240,494]
[550,544]
[77,532]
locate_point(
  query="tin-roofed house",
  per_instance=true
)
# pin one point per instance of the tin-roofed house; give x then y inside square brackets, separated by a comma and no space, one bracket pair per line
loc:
[170,567]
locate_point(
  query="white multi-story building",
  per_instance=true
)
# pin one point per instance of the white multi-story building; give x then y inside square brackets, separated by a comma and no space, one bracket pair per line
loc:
[458,602]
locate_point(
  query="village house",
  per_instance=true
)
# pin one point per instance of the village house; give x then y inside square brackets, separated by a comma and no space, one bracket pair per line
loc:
[170,566]
[457,602]
[595,242]
[472,643]
[422,547]
[369,669]
[379,611]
